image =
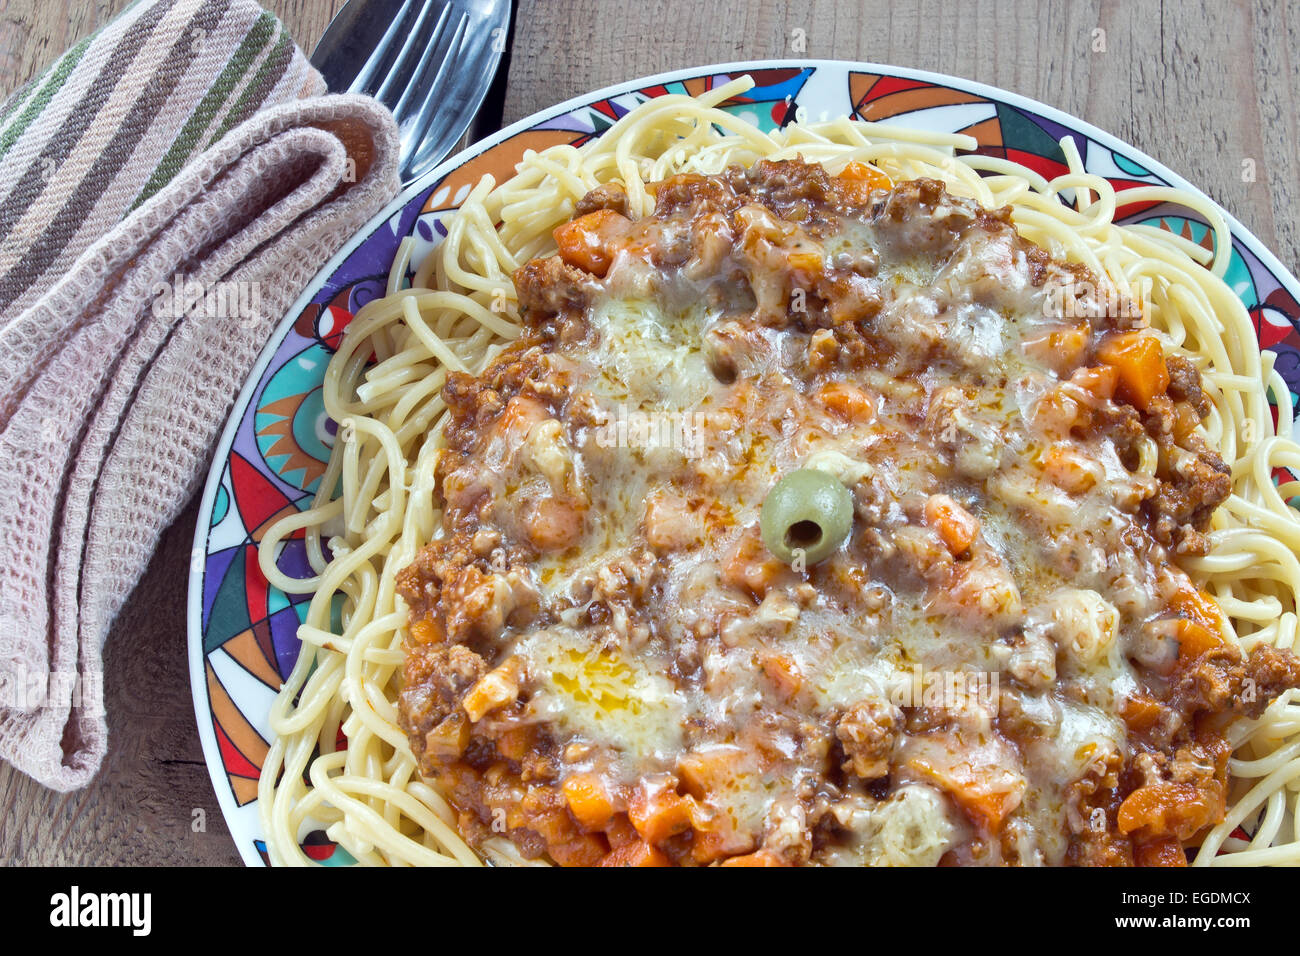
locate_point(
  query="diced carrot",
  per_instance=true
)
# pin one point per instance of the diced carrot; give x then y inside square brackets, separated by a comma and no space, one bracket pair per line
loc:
[516,743]
[847,401]
[757,858]
[639,853]
[587,242]
[987,792]
[1140,361]
[1170,809]
[588,800]
[863,172]
[585,849]
[1140,712]
[710,768]
[1060,350]
[715,844]
[659,814]
[1198,606]
[717,768]
[956,526]
[1195,639]
[1167,852]
[857,181]
[494,690]
[427,630]
[987,807]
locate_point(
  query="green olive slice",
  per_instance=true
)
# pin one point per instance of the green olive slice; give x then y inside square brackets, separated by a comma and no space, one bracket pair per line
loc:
[807,512]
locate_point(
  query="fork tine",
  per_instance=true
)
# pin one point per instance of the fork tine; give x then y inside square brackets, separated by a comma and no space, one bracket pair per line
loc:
[439,49]
[383,48]
[448,85]
[403,69]
[431,57]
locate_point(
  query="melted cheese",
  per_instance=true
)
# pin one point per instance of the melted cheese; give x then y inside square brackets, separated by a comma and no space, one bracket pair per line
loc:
[604,695]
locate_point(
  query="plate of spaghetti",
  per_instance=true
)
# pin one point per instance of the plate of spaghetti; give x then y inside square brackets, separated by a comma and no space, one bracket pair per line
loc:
[768,464]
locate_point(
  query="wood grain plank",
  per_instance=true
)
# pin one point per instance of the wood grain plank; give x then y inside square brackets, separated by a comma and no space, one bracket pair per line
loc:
[153,802]
[33,33]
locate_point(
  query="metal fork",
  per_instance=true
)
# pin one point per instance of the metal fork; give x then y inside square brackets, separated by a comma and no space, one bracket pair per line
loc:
[429,61]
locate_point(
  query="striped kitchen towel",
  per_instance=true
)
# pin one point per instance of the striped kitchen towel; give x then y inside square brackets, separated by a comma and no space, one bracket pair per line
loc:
[119,114]
[188,144]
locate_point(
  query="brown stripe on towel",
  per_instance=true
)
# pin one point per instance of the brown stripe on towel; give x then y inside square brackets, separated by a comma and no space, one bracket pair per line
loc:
[43,252]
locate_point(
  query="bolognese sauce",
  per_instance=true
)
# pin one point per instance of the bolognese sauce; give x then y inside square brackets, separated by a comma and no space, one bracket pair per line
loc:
[607,665]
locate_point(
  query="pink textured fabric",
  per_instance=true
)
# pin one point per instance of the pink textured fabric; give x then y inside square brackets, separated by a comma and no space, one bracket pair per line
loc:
[111,395]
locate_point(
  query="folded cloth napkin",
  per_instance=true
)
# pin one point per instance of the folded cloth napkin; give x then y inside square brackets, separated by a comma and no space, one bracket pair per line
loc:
[167,189]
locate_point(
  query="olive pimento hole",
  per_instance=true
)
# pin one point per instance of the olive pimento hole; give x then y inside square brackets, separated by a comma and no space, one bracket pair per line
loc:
[803,534]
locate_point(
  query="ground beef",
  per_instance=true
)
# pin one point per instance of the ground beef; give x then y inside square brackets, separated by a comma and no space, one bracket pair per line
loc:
[1223,680]
[474,402]
[1185,384]
[868,731]
[434,681]
[1177,773]
[1194,480]
[608,196]
[547,287]
[1123,425]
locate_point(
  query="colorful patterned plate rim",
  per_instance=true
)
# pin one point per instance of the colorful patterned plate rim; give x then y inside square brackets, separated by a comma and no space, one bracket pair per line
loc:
[242,633]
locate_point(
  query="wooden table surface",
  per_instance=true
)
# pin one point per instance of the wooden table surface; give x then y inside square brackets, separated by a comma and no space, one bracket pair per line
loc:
[1201,86]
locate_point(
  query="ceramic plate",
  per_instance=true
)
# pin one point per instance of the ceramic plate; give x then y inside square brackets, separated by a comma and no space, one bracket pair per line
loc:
[269,460]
